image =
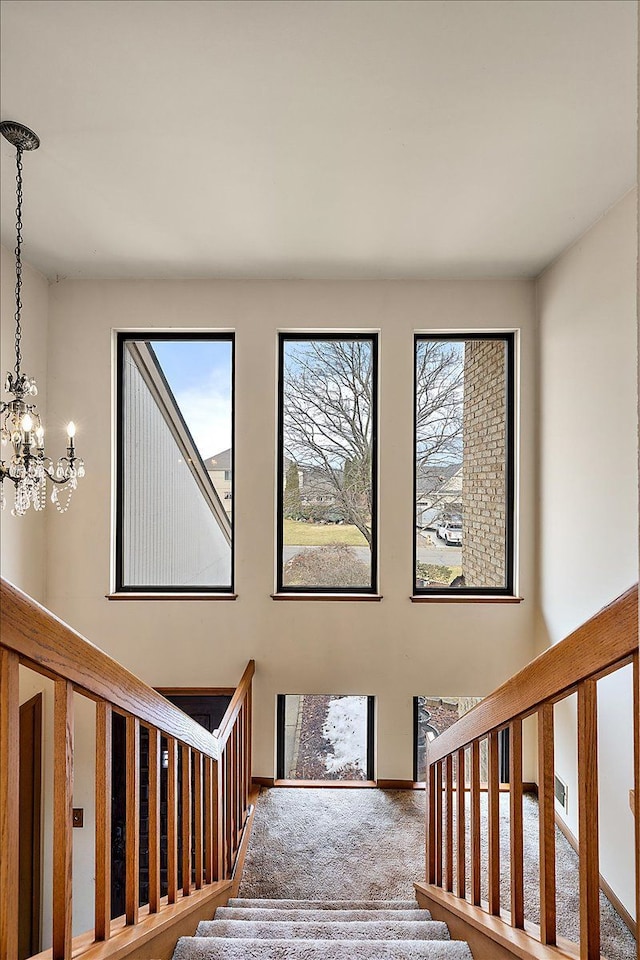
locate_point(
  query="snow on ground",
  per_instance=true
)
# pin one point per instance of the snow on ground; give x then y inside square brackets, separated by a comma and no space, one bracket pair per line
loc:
[346,730]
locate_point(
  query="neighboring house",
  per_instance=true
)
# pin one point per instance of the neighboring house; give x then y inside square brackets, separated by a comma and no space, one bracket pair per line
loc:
[220,469]
[439,490]
[316,492]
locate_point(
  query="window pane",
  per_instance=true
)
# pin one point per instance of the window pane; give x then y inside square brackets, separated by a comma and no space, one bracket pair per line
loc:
[326,465]
[175,499]
[462,452]
[434,715]
[324,737]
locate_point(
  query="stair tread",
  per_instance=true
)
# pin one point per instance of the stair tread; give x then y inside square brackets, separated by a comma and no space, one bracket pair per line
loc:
[324,904]
[264,913]
[211,948]
[325,930]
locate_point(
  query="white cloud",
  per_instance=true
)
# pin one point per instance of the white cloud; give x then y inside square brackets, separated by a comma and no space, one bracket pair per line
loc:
[207,411]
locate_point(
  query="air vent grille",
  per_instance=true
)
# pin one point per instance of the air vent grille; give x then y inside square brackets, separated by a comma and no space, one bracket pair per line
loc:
[561,792]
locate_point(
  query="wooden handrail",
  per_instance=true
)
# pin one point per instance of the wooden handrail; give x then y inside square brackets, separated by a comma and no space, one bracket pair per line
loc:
[55,649]
[552,675]
[231,713]
[215,784]
[605,643]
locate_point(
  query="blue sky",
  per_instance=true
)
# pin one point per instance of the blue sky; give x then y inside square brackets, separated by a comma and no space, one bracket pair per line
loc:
[199,374]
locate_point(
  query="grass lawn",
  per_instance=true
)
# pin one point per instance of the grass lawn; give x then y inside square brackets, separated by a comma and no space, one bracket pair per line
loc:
[318,534]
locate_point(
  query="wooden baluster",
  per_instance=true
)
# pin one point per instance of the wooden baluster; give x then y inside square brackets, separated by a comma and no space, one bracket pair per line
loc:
[62,820]
[493,803]
[547,825]
[439,823]
[245,754]
[132,895]
[236,773]
[449,815]
[588,820]
[155,766]
[461,839]
[172,821]
[515,815]
[197,826]
[235,782]
[103,820]
[249,739]
[217,783]
[207,812]
[241,803]
[9,801]
[228,806]
[475,823]
[185,752]
[430,786]
[636,783]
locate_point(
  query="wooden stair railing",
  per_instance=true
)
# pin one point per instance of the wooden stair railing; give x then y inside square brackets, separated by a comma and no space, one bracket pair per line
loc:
[604,644]
[218,766]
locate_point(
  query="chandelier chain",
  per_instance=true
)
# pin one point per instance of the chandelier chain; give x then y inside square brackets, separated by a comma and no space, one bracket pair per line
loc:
[18,253]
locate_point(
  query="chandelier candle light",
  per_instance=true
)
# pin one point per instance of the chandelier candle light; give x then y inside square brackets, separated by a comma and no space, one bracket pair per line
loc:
[22,430]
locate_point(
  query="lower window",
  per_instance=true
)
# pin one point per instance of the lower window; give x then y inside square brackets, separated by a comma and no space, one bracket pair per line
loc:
[431,717]
[325,737]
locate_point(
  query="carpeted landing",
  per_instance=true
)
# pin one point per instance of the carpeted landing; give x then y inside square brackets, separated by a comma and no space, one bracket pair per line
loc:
[337,854]
[367,844]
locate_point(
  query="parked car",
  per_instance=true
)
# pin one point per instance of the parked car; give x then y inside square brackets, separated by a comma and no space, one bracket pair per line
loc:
[451,532]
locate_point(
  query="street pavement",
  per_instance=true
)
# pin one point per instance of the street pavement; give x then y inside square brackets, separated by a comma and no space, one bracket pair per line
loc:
[436,552]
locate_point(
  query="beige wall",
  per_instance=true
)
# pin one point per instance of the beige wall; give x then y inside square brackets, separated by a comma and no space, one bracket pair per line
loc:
[22,539]
[588,491]
[394,649]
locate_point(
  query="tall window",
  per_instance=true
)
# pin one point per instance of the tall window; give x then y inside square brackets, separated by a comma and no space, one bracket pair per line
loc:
[175,463]
[464,423]
[327,464]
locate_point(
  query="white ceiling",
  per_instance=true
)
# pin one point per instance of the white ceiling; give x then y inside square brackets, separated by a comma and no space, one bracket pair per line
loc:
[187,138]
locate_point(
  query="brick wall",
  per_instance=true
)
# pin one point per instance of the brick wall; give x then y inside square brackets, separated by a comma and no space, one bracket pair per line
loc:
[484,471]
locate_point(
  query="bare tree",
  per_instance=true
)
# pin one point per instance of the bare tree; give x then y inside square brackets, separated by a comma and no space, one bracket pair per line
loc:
[439,383]
[328,420]
[328,415]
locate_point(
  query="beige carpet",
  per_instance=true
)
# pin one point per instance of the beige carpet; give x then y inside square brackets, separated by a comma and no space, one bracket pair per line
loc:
[359,844]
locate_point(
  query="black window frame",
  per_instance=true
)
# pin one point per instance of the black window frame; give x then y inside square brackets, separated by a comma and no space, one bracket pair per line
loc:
[283,338]
[509,339]
[149,336]
[371,739]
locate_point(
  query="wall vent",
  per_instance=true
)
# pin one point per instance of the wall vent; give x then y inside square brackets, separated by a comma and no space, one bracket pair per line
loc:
[562,793]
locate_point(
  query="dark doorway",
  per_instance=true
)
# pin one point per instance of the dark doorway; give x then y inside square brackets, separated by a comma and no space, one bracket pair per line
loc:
[207,707]
[29,826]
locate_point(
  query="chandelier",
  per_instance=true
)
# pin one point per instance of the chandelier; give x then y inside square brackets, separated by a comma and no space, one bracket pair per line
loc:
[22,431]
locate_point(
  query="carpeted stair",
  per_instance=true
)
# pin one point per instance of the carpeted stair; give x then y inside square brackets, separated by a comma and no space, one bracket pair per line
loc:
[321,930]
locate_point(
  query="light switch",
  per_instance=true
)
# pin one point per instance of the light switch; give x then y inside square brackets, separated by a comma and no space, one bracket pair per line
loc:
[78,817]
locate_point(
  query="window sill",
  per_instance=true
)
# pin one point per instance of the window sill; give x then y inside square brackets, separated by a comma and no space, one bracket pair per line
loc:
[171,596]
[358,597]
[327,784]
[470,598]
